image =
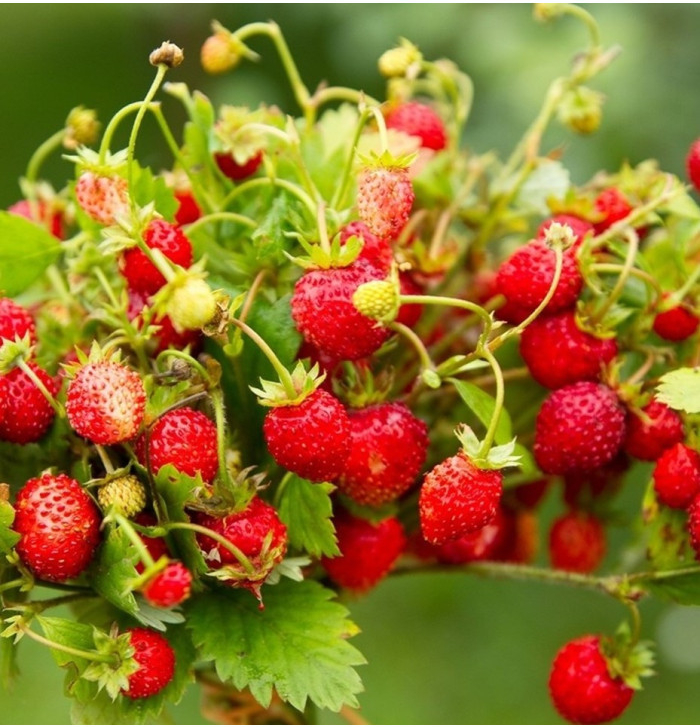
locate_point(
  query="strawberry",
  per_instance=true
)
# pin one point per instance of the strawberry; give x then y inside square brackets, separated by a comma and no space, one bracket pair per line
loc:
[583,488]
[557,352]
[368,551]
[375,250]
[528,496]
[311,438]
[677,476]
[483,544]
[694,525]
[577,542]
[230,168]
[184,438]
[46,215]
[579,227]
[676,323]
[15,322]
[170,587]
[384,198]
[106,402]
[325,315]
[458,498]
[578,427]
[257,532]
[581,686]
[651,431]
[188,210]
[102,197]
[388,446]
[692,164]
[611,206]
[526,276]
[27,413]
[59,527]
[140,273]
[126,494]
[417,119]
[156,663]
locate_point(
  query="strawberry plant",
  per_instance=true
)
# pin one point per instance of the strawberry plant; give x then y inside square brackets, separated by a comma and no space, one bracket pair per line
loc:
[327,346]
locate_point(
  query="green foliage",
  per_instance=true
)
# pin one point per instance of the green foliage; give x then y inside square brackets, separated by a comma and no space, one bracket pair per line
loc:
[483,405]
[113,570]
[8,538]
[680,389]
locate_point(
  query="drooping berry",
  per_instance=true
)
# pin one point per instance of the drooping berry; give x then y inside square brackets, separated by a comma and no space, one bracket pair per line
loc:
[421,120]
[156,661]
[27,413]
[676,323]
[677,476]
[577,542]
[652,431]
[384,199]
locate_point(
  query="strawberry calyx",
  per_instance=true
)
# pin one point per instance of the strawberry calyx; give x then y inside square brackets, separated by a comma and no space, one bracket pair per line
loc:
[114,663]
[386,160]
[360,387]
[626,658]
[88,160]
[14,352]
[300,385]
[340,254]
[496,458]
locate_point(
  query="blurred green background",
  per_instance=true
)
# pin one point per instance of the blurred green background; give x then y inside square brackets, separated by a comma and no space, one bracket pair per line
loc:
[441,649]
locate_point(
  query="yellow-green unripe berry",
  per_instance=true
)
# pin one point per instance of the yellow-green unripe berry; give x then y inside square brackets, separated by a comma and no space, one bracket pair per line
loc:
[126,494]
[377,299]
[191,305]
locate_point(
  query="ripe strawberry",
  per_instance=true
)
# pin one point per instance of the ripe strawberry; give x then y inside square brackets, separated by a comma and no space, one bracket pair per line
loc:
[257,532]
[388,446]
[140,273]
[579,427]
[43,214]
[484,544]
[694,525]
[312,438]
[15,322]
[184,438]
[581,686]
[230,167]
[375,250]
[104,198]
[417,119]
[156,660]
[528,496]
[557,352]
[677,476]
[526,276]
[583,488]
[368,551]
[106,402]
[59,527]
[577,542]
[325,315]
[188,210]
[692,164]
[458,498]
[676,324]
[655,430]
[579,227]
[27,413]
[384,199]
[611,206]
[170,587]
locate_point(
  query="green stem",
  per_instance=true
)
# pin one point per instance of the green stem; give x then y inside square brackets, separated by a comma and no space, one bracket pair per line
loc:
[104,457]
[425,360]
[252,292]
[183,355]
[616,292]
[294,189]
[341,93]
[635,272]
[55,405]
[452,302]
[636,622]
[107,287]
[220,217]
[114,122]
[144,556]
[9,585]
[588,20]
[40,155]
[79,653]
[498,405]
[323,228]
[217,400]
[680,294]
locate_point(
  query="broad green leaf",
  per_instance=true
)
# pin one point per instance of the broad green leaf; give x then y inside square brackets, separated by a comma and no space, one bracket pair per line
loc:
[113,570]
[26,250]
[681,588]
[682,205]
[680,389]
[149,189]
[527,462]
[269,236]
[668,545]
[297,645]
[8,537]
[305,508]
[549,179]
[483,404]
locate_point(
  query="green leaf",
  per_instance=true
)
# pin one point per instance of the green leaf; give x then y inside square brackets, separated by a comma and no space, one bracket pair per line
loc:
[305,508]
[682,205]
[26,250]
[483,405]
[149,189]
[668,544]
[527,462]
[680,389]
[549,179]
[269,237]
[681,588]
[113,570]
[297,645]
[8,537]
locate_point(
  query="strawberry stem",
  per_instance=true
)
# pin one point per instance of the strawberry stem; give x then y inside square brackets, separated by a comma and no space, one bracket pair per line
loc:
[220,217]
[294,189]
[217,400]
[144,556]
[498,405]
[40,156]
[252,292]
[55,405]
[425,360]
[381,128]
[79,653]
[112,126]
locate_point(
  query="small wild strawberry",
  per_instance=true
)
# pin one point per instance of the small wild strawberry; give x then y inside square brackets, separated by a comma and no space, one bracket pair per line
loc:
[104,198]
[653,430]
[106,402]
[577,542]
[676,323]
[375,250]
[487,543]
[156,663]
[677,476]
[59,527]
[188,210]
[170,587]
[611,206]
[15,322]
[384,198]
[579,227]
[692,164]
[27,413]
[418,119]
[230,167]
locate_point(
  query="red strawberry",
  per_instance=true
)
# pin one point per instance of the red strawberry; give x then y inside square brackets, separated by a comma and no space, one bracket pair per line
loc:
[188,210]
[579,227]
[483,544]
[526,276]
[170,587]
[676,324]
[184,438]
[384,199]
[106,402]
[583,488]
[677,476]
[579,427]
[528,496]
[368,551]
[230,167]
[692,164]
[654,430]
[557,352]
[375,250]
[156,660]
[42,213]
[15,322]
[458,498]
[577,542]
[387,450]
[611,206]
[59,527]
[694,525]
[140,273]
[27,413]
[417,119]
[312,438]
[325,315]
[257,532]
[104,198]
[581,686]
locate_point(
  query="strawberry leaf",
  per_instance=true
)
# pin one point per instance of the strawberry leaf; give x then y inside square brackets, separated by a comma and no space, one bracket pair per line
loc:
[297,645]
[482,404]
[668,545]
[680,389]
[113,570]
[8,537]
[550,179]
[26,250]
[306,510]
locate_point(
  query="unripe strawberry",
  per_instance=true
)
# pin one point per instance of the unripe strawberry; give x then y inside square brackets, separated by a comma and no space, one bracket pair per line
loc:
[191,305]
[677,476]
[156,661]
[126,494]
[577,542]
[384,199]
[104,198]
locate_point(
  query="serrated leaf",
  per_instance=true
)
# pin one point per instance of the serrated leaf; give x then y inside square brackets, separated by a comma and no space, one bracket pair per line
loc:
[683,588]
[549,179]
[26,250]
[269,237]
[483,405]
[297,645]
[680,389]
[8,537]
[113,570]
[149,189]
[306,509]
[668,544]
